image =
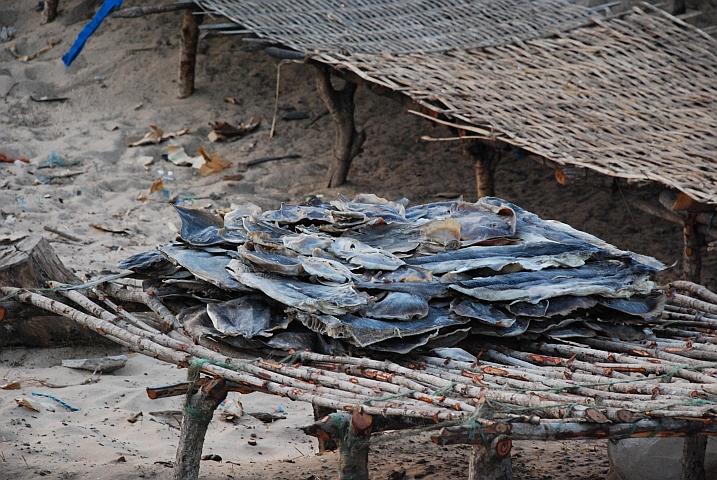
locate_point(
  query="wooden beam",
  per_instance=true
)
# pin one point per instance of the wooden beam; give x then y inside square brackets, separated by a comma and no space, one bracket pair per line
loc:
[49,13]
[349,141]
[693,458]
[188,51]
[691,258]
[197,415]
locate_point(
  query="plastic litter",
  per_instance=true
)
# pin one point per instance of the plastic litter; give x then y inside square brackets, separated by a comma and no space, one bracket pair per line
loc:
[89,29]
[55,159]
[61,402]
[10,220]
[7,34]
[643,458]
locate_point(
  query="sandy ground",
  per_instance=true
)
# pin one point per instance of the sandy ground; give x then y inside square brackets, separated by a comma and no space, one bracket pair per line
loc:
[125,81]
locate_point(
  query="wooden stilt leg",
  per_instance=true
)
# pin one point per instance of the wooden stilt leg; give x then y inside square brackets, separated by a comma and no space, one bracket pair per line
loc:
[348,141]
[188,51]
[492,463]
[353,448]
[50,12]
[197,415]
[486,159]
[693,457]
[692,262]
[325,444]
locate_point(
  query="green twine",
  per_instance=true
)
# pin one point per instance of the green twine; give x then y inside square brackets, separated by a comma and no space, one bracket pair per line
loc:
[443,390]
[291,358]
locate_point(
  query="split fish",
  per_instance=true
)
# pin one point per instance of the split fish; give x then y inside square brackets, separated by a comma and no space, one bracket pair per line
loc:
[305,243]
[246,316]
[199,227]
[368,257]
[279,260]
[518,328]
[205,266]
[326,268]
[397,306]
[482,312]
[151,263]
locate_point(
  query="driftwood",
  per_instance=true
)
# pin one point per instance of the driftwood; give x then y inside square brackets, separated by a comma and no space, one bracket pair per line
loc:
[349,141]
[198,413]
[188,51]
[102,364]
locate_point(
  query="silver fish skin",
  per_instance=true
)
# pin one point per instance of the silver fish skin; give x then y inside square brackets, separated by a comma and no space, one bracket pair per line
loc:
[397,306]
[325,268]
[278,260]
[331,300]
[246,316]
[454,353]
[482,312]
[199,227]
[518,328]
[305,243]
[368,257]
[235,218]
[205,266]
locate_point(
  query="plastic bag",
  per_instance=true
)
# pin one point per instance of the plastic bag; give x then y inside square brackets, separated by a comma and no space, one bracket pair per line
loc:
[643,458]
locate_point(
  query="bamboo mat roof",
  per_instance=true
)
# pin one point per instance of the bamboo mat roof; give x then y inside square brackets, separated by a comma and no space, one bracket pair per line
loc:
[632,96]
[398,26]
[643,383]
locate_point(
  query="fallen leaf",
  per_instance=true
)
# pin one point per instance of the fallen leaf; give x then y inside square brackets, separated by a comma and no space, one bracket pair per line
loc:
[214,163]
[155,136]
[231,100]
[11,386]
[232,178]
[156,186]
[24,402]
[223,131]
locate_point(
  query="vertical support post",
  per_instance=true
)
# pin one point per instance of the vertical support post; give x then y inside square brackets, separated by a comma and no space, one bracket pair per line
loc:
[353,447]
[492,463]
[188,51]
[49,13]
[486,158]
[692,262]
[198,413]
[348,142]
[693,457]
[325,444]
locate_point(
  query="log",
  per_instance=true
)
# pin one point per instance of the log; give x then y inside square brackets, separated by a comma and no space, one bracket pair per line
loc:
[326,444]
[491,462]
[681,202]
[691,258]
[137,12]
[696,290]
[693,457]
[198,413]
[348,141]
[30,263]
[49,13]
[486,157]
[583,176]
[188,51]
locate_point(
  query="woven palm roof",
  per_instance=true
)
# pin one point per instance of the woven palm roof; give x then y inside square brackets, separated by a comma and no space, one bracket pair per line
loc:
[398,26]
[633,96]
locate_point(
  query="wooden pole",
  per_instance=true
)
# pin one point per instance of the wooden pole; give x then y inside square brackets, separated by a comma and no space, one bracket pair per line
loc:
[188,51]
[353,447]
[486,158]
[348,141]
[49,13]
[692,263]
[137,12]
[492,462]
[693,458]
[325,444]
[197,415]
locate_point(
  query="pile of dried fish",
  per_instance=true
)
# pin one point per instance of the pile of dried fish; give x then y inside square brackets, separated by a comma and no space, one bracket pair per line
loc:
[371,274]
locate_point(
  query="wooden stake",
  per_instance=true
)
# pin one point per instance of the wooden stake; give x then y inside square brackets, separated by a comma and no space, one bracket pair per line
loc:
[348,140]
[197,415]
[353,447]
[188,51]
[50,12]
[492,463]
[325,444]
[486,158]
[692,263]
[693,458]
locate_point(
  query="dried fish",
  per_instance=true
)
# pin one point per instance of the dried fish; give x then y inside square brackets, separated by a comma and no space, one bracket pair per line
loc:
[482,312]
[199,227]
[290,214]
[279,260]
[518,328]
[645,307]
[208,267]
[326,268]
[264,233]
[483,221]
[151,263]
[368,257]
[334,300]
[397,306]
[306,243]
[393,237]
[246,316]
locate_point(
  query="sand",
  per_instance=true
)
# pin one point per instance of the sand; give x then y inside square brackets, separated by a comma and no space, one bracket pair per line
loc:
[123,82]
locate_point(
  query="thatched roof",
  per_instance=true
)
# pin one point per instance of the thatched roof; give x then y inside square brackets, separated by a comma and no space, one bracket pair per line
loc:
[632,96]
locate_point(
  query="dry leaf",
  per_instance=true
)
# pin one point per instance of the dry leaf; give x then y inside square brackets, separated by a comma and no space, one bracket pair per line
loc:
[155,136]
[214,163]
[24,402]
[231,178]
[11,386]
[231,100]
[223,131]
[156,186]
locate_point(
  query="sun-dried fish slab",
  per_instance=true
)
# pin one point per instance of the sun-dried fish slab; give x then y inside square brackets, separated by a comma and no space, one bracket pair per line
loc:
[368,257]
[205,266]
[235,218]
[429,211]
[306,243]
[518,328]
[483,221]
[527,309]
[439,235]
[566,304]
[546,325]
[196,322]
[279,260]
[390,212]
[533,226]
[393,237]
[151,263]
[247,316]
[397,306]
[424,289]
[327,269]
[453,353]
[646,307]
[405,274]
[333,300]
[403,345]
[290,214]
[264,233]
[199,227]
[297,341]
[482,312]
[573,332]
[610,279]
[363,331]
[531,256]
